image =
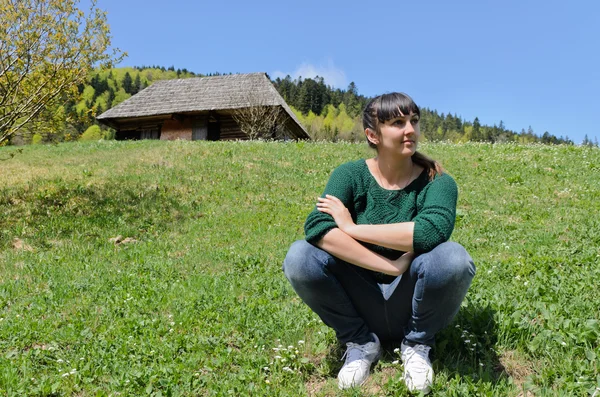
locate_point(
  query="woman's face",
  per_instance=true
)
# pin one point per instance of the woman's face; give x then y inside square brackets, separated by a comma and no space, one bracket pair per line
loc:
[399,135]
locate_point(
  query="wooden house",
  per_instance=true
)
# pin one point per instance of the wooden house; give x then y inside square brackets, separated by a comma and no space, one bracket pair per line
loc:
[203,108]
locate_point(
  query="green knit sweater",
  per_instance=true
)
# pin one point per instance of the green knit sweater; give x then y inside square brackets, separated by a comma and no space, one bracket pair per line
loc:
[431,205]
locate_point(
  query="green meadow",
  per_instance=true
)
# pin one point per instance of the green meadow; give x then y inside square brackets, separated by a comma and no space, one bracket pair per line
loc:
[153,268]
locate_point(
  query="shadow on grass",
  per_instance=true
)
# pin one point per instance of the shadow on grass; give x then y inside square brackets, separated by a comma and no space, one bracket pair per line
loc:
[50,207]
[467,347]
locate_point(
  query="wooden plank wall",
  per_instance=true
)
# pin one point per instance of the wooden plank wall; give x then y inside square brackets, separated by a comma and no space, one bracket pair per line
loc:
[230,130]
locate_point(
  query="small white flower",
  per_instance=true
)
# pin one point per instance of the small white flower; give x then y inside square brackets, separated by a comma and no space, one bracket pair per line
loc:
[395,362]
[275,349]
[481,364]
[60,360]
[73,371]
[526,282]
[65,374]
[277,357]
[563,343]
[468,341]
[300,342]
[397,350]
[266,368]
[267,381]
[290,347]
[288,369]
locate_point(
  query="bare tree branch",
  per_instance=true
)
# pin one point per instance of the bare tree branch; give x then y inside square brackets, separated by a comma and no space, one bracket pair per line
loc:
[257,119]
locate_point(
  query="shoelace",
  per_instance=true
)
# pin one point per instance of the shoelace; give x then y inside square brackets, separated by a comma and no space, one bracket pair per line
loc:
[354,353]
[418,356]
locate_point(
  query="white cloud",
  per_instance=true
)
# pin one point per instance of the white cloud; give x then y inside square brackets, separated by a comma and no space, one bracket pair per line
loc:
[332,75]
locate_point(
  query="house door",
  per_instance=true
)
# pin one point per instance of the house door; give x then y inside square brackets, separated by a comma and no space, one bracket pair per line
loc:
[199,130]
[214,130]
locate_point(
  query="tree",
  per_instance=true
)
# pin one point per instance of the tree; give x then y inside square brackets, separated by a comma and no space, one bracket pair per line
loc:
[128,83]
[47,48]
[257,119]
[476,134]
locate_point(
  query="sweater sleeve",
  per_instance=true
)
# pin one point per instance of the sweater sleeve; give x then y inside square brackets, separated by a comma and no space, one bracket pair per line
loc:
[434,222]
[340,185]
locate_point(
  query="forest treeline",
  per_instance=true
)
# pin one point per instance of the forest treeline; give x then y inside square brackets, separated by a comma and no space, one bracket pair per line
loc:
[332,114]
[327,113]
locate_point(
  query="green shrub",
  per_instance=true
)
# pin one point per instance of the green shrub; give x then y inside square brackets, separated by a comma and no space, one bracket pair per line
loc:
[93,133]
[36,139]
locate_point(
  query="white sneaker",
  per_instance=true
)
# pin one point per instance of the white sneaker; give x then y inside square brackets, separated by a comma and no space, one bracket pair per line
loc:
[358,363]
[418,374]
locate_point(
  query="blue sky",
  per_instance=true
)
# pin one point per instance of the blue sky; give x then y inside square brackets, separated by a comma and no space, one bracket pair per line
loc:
[528,63]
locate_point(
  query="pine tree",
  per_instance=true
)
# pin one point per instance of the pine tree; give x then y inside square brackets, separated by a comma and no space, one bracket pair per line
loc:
[137,84]
[127,83]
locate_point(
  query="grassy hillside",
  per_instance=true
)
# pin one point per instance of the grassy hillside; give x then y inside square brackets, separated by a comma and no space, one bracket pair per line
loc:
[198,305]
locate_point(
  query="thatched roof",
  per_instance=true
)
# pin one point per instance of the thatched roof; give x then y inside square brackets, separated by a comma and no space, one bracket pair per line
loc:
[199,94]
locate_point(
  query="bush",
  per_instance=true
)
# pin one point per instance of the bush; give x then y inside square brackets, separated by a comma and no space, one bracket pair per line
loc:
[93,133]
[36,139]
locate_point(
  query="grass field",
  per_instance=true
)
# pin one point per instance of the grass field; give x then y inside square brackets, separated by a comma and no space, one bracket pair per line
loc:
[197,304]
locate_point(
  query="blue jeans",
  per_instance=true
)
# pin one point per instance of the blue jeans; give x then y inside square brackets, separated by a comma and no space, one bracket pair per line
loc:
[355,302]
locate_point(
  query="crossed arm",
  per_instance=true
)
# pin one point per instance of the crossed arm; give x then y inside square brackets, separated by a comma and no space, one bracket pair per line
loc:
[343,241]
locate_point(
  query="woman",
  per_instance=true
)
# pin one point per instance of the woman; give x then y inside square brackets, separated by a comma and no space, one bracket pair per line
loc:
[376,262]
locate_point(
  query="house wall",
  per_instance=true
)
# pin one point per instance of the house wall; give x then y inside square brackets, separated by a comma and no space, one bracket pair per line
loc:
[173,129]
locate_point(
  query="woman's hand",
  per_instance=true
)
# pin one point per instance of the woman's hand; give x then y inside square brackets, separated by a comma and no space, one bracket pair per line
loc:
[403,263]
[333,206]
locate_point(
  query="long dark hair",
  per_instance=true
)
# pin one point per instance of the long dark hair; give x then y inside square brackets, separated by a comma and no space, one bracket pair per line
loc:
[389,106]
